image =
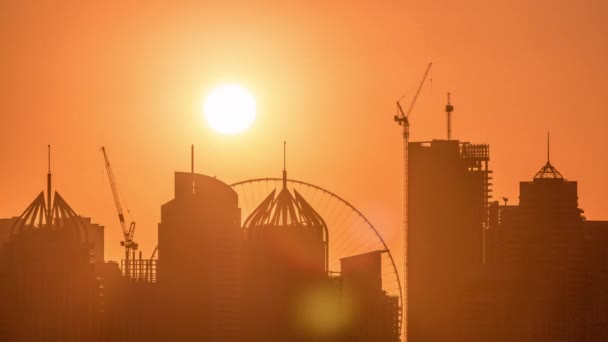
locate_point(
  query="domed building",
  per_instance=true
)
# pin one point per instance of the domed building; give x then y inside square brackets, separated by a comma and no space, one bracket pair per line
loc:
[50,290]
[286,253]
[286,227]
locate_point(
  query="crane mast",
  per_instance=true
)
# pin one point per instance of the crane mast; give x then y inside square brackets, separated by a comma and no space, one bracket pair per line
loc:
[128,232]
[449,109]
[403,120]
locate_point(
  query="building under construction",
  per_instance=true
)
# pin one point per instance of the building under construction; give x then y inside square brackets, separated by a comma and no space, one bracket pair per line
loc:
[448,190]
[482,271]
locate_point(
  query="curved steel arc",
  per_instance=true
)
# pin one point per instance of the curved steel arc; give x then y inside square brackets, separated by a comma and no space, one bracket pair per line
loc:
[345,202]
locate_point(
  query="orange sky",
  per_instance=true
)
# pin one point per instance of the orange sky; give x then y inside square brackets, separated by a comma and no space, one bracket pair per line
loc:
[132,76]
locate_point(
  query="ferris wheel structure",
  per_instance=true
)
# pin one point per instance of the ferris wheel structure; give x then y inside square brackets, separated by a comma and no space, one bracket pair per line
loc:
[350,232]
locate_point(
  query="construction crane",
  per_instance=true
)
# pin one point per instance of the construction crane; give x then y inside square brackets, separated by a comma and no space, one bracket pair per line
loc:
[128,232]
[449,109]
[403,120]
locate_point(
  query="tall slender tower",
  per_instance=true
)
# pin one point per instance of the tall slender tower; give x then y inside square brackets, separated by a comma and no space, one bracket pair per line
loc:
[199,239]
[448,192]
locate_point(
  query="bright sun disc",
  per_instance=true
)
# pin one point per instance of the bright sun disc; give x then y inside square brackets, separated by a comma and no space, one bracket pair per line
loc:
[229,109]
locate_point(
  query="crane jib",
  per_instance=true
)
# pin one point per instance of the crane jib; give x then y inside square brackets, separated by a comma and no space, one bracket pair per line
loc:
[121,217]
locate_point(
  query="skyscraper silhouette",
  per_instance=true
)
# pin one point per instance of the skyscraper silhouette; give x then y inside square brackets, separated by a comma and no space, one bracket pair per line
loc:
[448,196]
[199,269]
[541,255]
[214,280]
[287,244]
[373,313]
[50,287]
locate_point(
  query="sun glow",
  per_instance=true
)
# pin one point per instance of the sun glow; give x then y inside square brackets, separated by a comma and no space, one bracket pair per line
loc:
[230,109]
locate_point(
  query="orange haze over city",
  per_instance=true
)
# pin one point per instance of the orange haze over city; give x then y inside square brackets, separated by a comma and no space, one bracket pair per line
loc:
[132,76]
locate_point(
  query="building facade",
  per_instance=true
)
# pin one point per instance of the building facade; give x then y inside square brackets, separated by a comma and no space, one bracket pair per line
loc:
[50,289]
[199,267]
[448,189]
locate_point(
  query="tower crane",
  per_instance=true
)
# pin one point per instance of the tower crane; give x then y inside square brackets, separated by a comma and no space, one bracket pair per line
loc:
[128,232]
[403,120]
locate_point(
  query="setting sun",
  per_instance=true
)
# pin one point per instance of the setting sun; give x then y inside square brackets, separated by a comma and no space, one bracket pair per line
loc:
[230,109]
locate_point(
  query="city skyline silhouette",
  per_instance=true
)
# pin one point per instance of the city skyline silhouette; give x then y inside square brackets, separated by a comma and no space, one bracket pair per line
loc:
[514,71]
[451,169]
[236,81]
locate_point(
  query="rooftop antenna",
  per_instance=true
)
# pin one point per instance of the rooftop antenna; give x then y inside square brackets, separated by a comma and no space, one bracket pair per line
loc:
[192,168]
[449,109]
[548,171]
[284,164]
[48,188]
[548,147]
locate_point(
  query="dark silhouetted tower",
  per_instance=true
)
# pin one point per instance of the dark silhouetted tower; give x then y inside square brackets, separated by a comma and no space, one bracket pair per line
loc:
[543,261]
[49,288]
[373,313]
[287,243]
[199,240]
[448,200]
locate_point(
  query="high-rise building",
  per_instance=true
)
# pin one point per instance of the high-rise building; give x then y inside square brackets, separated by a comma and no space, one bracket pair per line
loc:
[596,293]
[448,189]
[49,289]
[286,257]
[213,279]
[290,295]
[199,240]
[373,313]
[542,256]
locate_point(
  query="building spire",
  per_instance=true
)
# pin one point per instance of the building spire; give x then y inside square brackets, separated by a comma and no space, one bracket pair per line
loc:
[548,171]
[192,168]
[284,164]
[48,189]
[548,148]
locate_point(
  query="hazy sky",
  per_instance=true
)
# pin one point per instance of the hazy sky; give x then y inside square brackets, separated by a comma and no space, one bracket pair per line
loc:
[132,75]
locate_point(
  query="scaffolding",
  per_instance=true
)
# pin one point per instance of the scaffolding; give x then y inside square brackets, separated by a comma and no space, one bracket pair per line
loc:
[477,157]
[139,270]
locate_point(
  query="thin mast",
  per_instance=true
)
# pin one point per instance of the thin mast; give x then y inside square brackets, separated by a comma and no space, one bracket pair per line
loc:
[284,164]
[548,148]
[48,189]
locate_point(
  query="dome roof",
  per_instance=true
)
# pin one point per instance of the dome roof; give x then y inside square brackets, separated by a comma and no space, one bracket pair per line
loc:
[284,210]
[61,219]
[40,217]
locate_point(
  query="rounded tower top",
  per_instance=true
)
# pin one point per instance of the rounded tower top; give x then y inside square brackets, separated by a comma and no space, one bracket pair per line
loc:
[284,210]
[61,219]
